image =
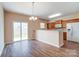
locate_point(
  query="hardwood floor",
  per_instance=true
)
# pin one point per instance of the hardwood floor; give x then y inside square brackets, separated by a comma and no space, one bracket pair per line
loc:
[34,48]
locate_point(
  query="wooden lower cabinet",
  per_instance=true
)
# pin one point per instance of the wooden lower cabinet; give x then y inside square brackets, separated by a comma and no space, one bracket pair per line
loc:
[65,35]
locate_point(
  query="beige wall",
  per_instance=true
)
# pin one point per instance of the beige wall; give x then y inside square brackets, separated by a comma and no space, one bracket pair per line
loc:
[11,17]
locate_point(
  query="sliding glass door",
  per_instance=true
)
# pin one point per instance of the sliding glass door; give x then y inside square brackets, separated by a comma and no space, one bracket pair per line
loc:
[20,31]
[24,31]
[16,31]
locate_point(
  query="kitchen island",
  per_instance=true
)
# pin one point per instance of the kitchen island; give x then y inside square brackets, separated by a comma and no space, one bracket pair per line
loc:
[52,37]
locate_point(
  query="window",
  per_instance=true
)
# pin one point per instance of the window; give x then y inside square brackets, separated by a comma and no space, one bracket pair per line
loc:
[42,25]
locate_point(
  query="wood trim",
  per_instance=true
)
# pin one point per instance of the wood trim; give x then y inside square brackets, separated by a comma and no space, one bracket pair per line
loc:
[71,20]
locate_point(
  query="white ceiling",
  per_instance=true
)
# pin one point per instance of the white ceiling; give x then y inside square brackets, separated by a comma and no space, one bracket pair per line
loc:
[42,9]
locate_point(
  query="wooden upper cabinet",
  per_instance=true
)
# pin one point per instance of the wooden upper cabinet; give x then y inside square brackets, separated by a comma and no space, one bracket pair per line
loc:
[51,25]
[58,22]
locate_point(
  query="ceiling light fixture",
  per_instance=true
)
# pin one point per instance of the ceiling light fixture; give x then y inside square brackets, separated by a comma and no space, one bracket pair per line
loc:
[54,15]
[33,17]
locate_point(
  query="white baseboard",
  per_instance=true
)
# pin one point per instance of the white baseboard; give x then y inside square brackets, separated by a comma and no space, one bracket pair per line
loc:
[50,44]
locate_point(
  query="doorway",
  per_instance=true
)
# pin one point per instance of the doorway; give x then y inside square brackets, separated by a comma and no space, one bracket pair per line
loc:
[20,31]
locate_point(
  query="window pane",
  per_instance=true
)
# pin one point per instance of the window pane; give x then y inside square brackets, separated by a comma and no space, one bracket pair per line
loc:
[24,31]
[16,31]
[42,25]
